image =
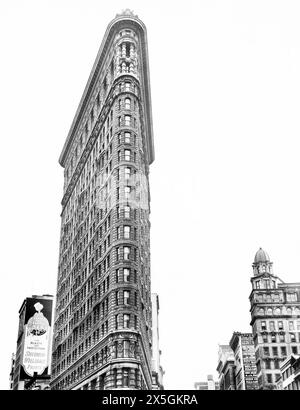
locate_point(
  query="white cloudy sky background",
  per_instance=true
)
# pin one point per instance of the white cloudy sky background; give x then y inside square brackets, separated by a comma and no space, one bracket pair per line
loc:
[225,94]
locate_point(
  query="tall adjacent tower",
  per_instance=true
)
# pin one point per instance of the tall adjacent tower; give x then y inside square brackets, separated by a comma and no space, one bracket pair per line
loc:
[102,334]
[275,320]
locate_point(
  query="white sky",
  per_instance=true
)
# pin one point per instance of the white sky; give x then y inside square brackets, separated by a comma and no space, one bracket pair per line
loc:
[226,100]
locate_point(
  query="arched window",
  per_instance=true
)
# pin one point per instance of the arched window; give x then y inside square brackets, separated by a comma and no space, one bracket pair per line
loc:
[277,311]
[261,312]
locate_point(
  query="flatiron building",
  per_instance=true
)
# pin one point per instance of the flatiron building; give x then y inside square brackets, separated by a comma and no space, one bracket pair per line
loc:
[102,331]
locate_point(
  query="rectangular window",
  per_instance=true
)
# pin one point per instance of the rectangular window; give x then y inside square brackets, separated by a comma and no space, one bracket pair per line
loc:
[263,326]
[118,232]
[291,297]
[126,320]
[282,338]
[125,377]
[117,275]
[115,372]
[118,254]
[127,171]
[280,325]
[126,297]
[127,191]
[127,212]
[294,350]
[127,86]
[283,351]
[272,326]
[126,274]
[127,119]
[291,325]
[275,351]
[292,337]
[266,351]
[126,252]
[126,232]
[269,378]
[126,348]
[127,136]
[127,154]
[268,364]
[127,104]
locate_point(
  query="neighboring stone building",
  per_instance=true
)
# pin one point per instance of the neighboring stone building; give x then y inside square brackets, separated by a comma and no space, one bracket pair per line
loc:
[210,384]
[275,320]
[12,370]
[226,368]
[290,374]
[103,320]
[157,370]
[244,356]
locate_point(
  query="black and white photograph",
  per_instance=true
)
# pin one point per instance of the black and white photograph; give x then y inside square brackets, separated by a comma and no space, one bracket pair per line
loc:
[150,197]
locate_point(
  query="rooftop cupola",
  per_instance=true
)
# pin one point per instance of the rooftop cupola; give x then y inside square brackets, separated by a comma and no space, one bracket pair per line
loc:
[262,263]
